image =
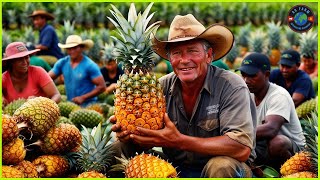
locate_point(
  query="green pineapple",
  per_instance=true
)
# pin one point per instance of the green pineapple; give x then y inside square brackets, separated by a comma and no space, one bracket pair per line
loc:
[274,42]
[62,89]
[67,107]
[86,117]
[139,99]
[257,41]
[13,106]
[304,109]
[64,120]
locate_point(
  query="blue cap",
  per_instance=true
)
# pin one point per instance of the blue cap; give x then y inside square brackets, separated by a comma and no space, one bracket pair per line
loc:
[289,58]
[254,62]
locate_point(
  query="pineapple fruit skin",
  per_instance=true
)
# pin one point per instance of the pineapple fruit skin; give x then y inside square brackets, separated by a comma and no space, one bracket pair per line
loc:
[13,106]
[11,172]
[86,117]
[67,107]
[40,113]
[51,165]
[149,166]
[13,152]
[61,139]
[301,161]
[305,108]
[9,129]
[91,174]
[29,170]
[139,102]
[303,174]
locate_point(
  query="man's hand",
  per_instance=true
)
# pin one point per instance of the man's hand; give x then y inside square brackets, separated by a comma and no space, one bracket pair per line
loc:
[78,100]
[169,136]
[123,136]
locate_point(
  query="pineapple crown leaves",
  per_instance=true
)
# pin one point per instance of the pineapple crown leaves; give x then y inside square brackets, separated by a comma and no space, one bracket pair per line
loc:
[257,41]
[308,43]
[244,33]
[95,154]
[135,36]
[108,52]
[233,53]
[292,37]
[274,34]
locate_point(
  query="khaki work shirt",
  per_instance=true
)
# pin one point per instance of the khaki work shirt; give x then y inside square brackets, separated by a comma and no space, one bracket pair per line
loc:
[223,107]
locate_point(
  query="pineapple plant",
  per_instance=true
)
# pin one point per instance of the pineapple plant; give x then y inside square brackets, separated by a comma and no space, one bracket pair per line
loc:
[11,172]
[13,106]
[91,174]
[67,30]
[86,117]
[94,154]
[304,109]
[29,36]
[257,41]
[13,152]
[293,38]
[308,49]
[274,42]
[231,56]
[51,166]
[244,33]
[13,23]
[29,170]
[6,40]
[139,100]
[145,166]
[60,139]
[305,163]
[40,113]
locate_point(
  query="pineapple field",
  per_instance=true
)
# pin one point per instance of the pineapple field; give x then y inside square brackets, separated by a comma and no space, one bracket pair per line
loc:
[43,139]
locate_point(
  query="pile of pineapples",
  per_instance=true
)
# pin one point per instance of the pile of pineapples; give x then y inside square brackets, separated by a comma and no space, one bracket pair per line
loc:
[304,164]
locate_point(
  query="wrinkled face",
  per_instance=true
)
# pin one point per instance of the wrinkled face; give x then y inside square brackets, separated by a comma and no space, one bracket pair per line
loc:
[255,82]
[287,71]
[21,65]
[190,60]
[111,66]
[38,22]
[74,52]
[308,62]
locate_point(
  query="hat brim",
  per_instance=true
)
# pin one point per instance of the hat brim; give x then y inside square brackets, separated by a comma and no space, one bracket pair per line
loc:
[86,43]
[46,15]
[286,62]
[219,37]
[250,70]
[19,55]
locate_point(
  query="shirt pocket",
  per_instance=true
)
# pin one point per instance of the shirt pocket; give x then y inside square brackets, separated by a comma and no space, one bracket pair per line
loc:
[208,128]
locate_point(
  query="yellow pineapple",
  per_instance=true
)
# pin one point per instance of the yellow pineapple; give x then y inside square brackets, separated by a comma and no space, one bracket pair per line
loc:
[9,129]
[13,152]
[29,170]
[60,139]
[11,172]
[40,113]
[139,100]
[306,160]
[91,174]
[51,166]
[303,174]
[145,166]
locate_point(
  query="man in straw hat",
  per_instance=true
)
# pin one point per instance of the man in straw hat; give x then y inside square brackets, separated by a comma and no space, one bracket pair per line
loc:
[22,80]
[210,122]
[48,39]
[82,77]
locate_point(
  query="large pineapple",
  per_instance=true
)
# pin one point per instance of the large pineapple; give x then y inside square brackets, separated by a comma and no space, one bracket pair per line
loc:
[305,163]
[86,117]
[13,152]
[29,170]
[40,113]
[304,109]
[10,129]
[91,174]
[13,106]
[145,166]
[11,172]
[139,99]
[274,42]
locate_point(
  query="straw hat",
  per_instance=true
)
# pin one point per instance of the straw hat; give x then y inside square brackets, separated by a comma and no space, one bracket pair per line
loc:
[184,28]
[43,13]
[17,50]
[75,40]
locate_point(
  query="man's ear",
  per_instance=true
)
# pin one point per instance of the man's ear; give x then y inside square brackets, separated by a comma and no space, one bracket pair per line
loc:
[209,55]
[267,73]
